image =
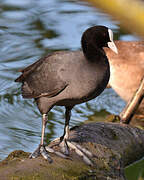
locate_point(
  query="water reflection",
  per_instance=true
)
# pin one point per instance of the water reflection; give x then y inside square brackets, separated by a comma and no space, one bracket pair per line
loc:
[30,29]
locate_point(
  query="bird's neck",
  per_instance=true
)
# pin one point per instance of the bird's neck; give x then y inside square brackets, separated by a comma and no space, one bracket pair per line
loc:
[94,54]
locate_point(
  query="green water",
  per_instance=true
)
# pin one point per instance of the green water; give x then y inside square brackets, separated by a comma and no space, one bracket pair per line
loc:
[30,29]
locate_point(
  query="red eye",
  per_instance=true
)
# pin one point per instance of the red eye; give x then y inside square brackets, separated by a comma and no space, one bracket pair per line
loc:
[104,34]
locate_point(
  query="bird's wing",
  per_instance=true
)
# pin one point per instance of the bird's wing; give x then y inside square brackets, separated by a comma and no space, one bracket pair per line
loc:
[42,79]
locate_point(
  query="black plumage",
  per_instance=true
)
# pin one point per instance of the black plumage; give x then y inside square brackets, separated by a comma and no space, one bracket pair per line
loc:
[67,78]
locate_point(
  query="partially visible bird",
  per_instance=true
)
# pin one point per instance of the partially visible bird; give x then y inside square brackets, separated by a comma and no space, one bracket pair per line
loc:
[67,78]
[127,69]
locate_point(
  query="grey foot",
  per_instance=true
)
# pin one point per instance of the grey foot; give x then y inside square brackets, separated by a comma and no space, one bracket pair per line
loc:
[62,144]
[65,145]
[50,150]
[41,151]
[82,152]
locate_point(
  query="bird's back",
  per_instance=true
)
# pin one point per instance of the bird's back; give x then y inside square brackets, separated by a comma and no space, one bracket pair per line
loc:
[42,78]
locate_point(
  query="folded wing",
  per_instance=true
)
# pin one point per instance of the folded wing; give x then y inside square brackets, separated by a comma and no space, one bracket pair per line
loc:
[41,79]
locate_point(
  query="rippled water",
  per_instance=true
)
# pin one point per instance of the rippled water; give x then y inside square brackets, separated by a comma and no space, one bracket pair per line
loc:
[30,29]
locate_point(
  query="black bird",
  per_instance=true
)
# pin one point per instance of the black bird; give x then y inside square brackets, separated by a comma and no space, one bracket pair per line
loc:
[67,78]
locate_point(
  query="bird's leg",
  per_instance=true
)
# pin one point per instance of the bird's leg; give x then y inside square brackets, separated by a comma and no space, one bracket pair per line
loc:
[41,149]
[65,144]
[131,107]
[64,138]
[44,121]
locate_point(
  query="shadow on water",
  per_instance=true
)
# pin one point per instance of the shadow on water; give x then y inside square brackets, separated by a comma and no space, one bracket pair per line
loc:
[30,29]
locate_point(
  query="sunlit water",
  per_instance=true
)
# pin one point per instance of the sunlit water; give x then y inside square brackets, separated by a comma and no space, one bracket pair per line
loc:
[30,29]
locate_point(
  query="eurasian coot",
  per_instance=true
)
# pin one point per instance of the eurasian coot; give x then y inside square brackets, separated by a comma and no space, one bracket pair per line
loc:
[67,78]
